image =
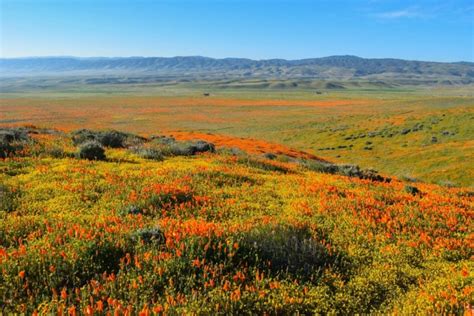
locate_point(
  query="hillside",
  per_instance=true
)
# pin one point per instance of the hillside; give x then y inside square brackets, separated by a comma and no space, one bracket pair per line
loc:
[103,221]
[333,67]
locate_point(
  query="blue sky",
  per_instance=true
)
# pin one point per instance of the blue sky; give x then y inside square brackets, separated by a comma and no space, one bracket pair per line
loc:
[258,29]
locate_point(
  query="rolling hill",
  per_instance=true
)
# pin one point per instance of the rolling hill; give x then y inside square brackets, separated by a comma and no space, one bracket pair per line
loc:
[333,67]
[101,222]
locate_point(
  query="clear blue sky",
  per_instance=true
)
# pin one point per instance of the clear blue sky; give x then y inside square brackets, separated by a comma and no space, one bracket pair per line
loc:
[259,29]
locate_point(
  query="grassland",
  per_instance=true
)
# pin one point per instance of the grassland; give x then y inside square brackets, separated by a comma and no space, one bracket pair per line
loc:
[223,232]
[423,133]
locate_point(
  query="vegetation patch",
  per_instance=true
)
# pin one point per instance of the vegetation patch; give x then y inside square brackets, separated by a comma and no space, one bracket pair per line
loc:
[222,179]
[148,153]
[9,198]
[288,250]
[225,234]
[263,164]
[345,170]
[91,150]
[150,236]
[12,140]
[109,138]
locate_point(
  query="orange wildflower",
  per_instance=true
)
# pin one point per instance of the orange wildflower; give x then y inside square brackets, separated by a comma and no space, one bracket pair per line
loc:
[64,293]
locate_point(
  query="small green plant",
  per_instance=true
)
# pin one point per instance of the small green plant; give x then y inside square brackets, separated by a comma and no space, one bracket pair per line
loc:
[12,140]
[150,236]
[8,198]
[412,190]
[110,138]
[148,153]
[5,149]
[170,147]
[91,150]
[270,156]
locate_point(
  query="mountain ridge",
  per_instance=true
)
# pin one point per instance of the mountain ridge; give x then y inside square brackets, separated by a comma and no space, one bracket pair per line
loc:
[339,66]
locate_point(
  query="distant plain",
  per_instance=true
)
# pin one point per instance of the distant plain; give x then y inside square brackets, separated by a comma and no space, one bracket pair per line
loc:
[422,132]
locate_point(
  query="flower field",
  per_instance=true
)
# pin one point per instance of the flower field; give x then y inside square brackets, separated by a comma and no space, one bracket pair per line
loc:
[406,134]
[225,231]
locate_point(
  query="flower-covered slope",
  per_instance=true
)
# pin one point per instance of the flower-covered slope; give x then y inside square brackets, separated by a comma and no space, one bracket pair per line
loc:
[220,232]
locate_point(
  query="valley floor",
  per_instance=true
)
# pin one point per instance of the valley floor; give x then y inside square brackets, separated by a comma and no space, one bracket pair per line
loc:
[425,134]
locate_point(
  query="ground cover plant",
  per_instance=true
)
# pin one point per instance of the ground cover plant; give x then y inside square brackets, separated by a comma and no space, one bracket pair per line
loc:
[152,229]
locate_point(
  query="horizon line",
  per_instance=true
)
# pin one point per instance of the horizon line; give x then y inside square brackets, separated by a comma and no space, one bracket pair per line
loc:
[222,58]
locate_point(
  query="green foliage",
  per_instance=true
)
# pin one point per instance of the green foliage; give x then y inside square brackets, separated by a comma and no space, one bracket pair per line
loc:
[148,153]
[150,236]
[12,140]
[108,138]
[296,251]
[262,164]
[8,198]
[6,149]
[412,190]
[168,146]
[225,234]
[91,150]
[345,170]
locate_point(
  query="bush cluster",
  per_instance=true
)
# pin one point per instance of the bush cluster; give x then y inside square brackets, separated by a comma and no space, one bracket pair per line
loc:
[148,153]
[91,150]
[8,198]
[167,146]
[109,138]
[345,170]
[11,140]
[150,235]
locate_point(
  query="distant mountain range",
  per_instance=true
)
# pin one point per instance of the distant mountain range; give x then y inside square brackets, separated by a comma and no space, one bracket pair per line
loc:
[333,67]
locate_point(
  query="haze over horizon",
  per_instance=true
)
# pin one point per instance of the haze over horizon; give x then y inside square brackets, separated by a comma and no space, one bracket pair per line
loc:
[426,30]
[228,57]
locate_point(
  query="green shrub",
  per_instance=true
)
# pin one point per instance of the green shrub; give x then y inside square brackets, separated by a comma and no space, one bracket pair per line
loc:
[57,152]
[269,156]
[12,140]
[320,166]
[83,135]
[345,170]
[6,149]
[14,134]
[412,190]
[8,198]
[262,164]
[148,153]
[290,250]
[163,140]
[110,138]
[150,236]
[190,148]
[169,147]
[232,151]
[113,139]
[91,150]
[157,203]
[131,210]
[169,200]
